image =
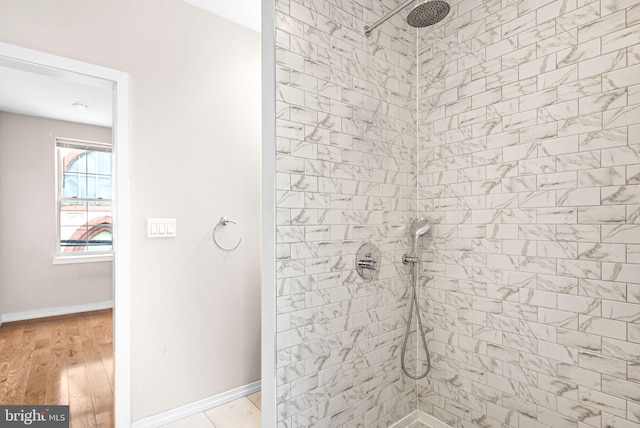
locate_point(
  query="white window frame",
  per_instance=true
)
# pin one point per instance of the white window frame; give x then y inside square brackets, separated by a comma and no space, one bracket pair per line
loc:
[76,257]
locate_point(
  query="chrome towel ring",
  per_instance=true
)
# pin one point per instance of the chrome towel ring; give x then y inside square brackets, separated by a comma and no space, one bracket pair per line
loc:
[223,222]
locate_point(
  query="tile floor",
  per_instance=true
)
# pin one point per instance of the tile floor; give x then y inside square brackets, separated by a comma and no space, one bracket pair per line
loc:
[241,413]
[418,424]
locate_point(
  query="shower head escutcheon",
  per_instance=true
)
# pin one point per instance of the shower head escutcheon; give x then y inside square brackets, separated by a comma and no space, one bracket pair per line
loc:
[423,14]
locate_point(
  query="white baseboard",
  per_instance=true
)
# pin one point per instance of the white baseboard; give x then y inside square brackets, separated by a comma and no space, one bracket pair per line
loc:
[421,416]
[190,409]
[52,312]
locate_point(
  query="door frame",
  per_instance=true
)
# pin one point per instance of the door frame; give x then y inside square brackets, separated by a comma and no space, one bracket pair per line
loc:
[94,75]
[268,249]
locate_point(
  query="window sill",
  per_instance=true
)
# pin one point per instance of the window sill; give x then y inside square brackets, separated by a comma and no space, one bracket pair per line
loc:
[65,260]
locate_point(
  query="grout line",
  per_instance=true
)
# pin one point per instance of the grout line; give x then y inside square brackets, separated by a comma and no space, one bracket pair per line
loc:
[209,419]
[254,404]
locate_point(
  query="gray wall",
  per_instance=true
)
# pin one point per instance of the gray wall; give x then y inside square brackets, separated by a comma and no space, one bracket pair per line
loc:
[195,137]
[346,139]
[29,281]
[529,129]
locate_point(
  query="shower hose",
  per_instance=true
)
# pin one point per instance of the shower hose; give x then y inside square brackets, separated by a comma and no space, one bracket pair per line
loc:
[414,303]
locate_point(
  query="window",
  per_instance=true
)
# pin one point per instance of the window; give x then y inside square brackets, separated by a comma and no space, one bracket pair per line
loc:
[83,198]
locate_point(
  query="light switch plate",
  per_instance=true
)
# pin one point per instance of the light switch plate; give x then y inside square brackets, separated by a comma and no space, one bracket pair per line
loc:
[161,228]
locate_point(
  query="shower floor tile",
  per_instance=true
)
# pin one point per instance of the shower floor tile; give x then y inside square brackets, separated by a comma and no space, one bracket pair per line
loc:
[418,424]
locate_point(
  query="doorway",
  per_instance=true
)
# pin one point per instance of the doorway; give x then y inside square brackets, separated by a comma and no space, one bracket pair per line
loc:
[67,70]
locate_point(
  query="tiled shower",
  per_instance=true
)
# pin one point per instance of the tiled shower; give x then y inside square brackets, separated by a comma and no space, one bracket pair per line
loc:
[514,127]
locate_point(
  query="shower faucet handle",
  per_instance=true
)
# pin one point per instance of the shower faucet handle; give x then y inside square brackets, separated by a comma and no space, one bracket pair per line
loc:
[367,261]
[367,264]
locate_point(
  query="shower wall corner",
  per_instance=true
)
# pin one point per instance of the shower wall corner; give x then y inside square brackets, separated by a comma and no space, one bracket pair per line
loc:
[345,175]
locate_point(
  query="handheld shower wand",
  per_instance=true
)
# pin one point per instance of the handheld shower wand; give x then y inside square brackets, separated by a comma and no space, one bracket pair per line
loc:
[419,227]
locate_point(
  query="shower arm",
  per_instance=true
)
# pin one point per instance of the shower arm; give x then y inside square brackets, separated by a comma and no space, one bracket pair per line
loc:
[369,28]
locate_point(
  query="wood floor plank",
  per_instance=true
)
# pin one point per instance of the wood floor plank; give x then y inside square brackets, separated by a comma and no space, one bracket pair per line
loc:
[106,419]
[57,384]
[80,402]
[64,360]
[12,336]
[19,371]
[103,338]
[102,324]
[103,406]
[38,370]
[106,351]
[98,381]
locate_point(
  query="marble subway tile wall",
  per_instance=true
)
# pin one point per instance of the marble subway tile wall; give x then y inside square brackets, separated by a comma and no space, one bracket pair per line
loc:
[346,175]
[529,163]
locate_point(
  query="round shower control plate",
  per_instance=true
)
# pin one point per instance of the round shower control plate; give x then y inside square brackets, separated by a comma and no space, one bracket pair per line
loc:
[368,261]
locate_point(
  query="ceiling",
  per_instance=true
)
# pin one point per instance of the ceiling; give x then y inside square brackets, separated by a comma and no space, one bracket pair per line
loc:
[34,94]
[243,12]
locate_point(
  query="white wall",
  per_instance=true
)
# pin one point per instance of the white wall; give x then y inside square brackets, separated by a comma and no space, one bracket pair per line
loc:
[29,281]
[195,135]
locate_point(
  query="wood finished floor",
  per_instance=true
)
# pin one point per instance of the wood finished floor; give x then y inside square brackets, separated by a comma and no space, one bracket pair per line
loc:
[61,360]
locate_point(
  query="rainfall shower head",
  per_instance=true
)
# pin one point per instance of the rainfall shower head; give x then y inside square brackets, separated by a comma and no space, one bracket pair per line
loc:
[422,15]
[420,227]
[428,13]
